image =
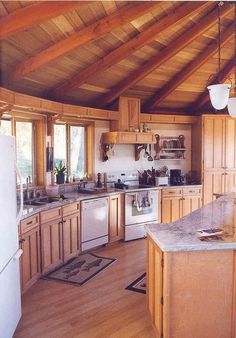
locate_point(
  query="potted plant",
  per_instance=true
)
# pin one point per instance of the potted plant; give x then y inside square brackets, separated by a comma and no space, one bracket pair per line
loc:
[60,171]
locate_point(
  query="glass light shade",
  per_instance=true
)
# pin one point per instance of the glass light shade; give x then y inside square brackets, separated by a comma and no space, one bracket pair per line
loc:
[219,95]
[232,106]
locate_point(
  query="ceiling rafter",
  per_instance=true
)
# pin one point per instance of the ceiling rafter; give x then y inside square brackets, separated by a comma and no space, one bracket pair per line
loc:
[164,55]
[189,69]
[77,39]
[32,15]
[181,12]
[203,98]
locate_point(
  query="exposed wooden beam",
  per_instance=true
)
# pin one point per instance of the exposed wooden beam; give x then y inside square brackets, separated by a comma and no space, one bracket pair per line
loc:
[164,55]
[189,69]
[203,98]
[77,39]
[143,38]
[32,15]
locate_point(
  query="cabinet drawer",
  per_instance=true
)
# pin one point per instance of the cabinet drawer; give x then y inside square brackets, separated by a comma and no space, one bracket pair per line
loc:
[192,191]
[29,223]
[172,192]
[51,214]
[70,208]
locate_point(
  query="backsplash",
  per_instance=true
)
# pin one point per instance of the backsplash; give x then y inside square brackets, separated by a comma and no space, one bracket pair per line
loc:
[123,159]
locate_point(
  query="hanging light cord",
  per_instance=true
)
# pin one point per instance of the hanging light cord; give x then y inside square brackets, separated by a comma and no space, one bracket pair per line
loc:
[219,41]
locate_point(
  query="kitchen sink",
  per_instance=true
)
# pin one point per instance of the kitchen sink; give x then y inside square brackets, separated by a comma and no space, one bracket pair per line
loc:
[45,200]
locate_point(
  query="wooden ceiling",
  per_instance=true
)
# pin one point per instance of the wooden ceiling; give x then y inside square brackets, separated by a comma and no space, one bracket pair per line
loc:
[91,52]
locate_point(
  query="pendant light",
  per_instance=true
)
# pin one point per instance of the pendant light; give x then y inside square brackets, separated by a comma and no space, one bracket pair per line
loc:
[232,100]
[219,93]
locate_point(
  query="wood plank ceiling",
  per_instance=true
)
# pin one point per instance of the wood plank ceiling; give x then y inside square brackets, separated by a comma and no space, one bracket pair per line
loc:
[91,52]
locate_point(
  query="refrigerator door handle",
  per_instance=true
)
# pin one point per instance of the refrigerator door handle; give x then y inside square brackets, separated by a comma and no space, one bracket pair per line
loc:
[18,217]
[18,254]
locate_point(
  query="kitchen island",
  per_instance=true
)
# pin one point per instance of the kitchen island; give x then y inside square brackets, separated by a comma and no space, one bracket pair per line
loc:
[191,284]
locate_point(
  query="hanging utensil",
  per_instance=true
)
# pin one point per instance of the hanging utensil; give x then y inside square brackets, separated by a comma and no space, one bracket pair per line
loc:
[145,151]
[150,156]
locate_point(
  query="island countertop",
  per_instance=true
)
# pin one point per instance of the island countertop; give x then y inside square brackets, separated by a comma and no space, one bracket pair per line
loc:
[182,235]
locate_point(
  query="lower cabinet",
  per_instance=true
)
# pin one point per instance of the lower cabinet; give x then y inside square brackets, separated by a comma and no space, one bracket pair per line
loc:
[115,218]
[30,261]
[189,295]
[60,235]
[70,236]
[51,247]
[178,202]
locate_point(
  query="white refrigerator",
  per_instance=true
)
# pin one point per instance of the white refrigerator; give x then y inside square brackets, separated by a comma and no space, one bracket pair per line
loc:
[10,298]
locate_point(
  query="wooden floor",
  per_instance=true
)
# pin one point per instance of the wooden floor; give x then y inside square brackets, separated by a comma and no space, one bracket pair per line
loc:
[101,308]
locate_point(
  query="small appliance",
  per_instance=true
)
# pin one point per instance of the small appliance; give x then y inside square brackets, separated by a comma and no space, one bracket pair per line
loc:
[175,177]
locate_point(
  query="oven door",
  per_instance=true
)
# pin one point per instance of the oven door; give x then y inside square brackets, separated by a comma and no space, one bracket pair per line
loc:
[141,207]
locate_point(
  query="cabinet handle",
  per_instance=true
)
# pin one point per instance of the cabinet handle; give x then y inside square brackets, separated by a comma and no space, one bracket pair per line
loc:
[226,174]
[30,222]
[21,240]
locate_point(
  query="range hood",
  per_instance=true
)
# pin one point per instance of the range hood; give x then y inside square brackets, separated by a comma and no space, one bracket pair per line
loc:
[128,137]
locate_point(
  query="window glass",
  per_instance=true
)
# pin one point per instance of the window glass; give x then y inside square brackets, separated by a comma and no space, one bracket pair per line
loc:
[24,148]
[59,144]
[77,151]
[5,127]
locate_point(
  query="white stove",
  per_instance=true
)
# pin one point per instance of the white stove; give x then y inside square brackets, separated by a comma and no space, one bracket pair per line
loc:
[141,202]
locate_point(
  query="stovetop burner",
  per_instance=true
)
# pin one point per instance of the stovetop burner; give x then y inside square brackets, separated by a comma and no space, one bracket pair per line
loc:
[123,186]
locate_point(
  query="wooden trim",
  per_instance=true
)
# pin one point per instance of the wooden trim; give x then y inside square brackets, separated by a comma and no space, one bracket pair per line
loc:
[40,145]
[129,47]
[189,69]
[32,15]
[94,31]
[36,105]
[158,118]
[90,140]
[164,55]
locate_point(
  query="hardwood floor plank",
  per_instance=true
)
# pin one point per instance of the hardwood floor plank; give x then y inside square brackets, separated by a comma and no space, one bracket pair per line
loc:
[100,308]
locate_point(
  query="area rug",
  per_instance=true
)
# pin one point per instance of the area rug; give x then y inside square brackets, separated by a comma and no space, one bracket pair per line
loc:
[139,285]
[80,269]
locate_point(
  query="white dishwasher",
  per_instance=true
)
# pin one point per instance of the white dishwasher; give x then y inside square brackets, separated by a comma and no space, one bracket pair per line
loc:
[94,223]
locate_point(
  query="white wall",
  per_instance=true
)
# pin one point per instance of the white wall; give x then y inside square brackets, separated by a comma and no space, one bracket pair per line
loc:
[123,159]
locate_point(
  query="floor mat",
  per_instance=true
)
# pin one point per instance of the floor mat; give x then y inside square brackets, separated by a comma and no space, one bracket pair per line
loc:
[80,269]
[139,285]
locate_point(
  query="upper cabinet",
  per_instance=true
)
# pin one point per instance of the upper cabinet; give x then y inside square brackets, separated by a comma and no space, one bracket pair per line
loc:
[219,136]
[129,109]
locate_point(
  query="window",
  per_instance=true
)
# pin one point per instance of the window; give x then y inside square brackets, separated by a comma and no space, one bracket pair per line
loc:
[24,148]
[70,148]
[5,127]
[23,131]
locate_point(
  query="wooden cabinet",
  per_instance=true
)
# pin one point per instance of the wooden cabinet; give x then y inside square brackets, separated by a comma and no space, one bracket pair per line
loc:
[51,244]
[219,155]
[60,235]
[125,137]
[178,202]
[180,289]
[129,109]
[70,230]
[115,218]
[30,261]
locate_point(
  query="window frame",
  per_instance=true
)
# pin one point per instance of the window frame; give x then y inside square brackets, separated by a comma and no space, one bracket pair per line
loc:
[38,142]
[88,142]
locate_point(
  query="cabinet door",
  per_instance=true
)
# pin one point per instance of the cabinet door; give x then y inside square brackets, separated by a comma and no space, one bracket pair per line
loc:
[71,236]
[214,182]
[230,143]
[214,142]
[191,203]
[129,109]
[229,181]
[154,285]
[30,261]
[51,245]
[115,226]
[171,209]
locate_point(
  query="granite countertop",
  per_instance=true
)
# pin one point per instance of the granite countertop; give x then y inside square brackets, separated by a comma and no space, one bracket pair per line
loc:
[181,235]
[71,197]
